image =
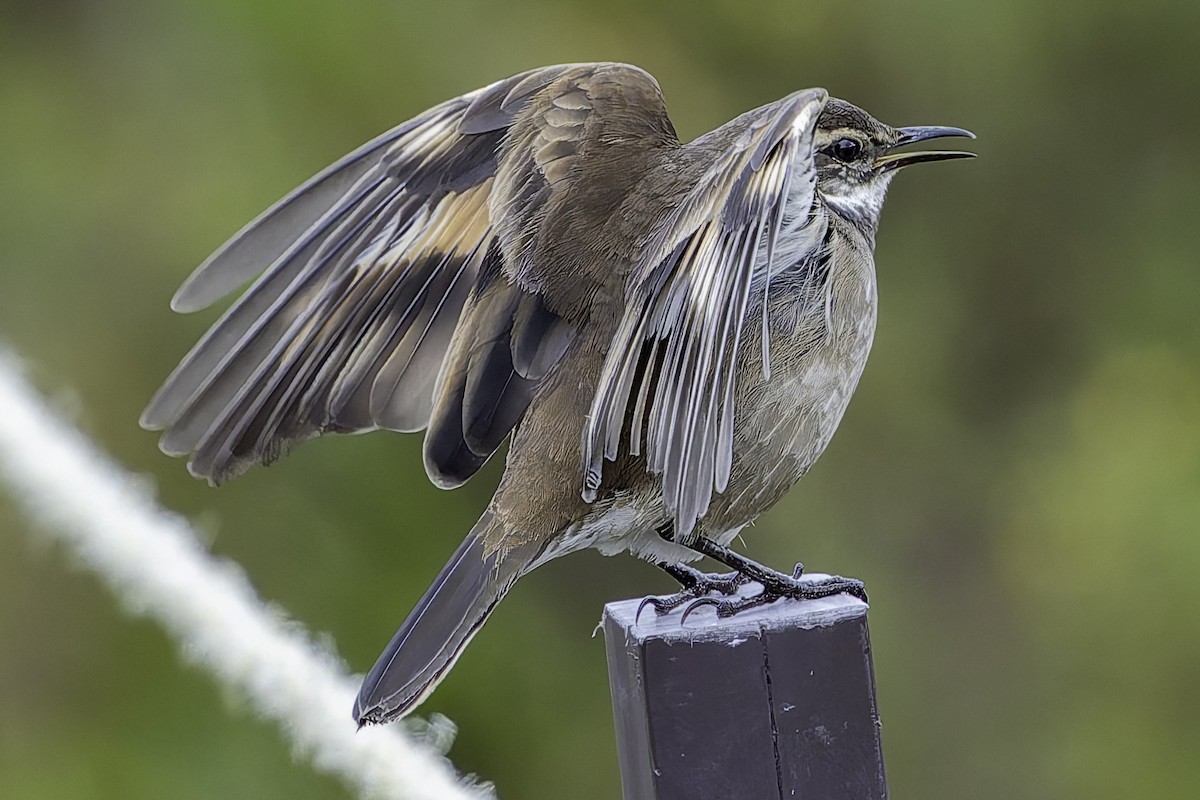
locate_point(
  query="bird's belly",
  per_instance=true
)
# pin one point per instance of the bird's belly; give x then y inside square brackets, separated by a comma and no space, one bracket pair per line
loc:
[785,422]
[801,411]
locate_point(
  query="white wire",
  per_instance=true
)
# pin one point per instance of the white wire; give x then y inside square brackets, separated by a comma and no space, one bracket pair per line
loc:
[152,559]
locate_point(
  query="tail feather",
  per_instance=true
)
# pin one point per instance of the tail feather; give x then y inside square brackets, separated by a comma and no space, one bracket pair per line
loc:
[440,627]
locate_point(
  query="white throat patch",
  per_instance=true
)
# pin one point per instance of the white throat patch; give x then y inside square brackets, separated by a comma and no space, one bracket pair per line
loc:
[862,201]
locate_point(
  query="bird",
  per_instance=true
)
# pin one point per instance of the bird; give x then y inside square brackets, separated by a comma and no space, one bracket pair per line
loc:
[667,335]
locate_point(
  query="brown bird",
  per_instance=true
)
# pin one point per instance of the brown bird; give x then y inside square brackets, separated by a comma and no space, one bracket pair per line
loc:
[669,333]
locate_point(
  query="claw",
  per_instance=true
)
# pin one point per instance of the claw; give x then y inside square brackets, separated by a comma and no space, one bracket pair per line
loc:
[649,601]
[701,601]
[855,588]
[661,605]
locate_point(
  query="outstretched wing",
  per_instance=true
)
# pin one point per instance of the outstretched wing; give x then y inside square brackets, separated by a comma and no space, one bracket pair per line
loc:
[668,383]
[365,271]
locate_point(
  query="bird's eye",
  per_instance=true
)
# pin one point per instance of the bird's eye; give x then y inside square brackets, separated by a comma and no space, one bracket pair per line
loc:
[845,150]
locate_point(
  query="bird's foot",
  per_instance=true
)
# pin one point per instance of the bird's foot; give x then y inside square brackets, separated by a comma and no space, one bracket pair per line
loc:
[696,585]
[777,585]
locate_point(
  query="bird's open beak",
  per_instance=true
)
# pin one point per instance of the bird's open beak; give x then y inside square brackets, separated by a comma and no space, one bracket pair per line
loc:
[892,161]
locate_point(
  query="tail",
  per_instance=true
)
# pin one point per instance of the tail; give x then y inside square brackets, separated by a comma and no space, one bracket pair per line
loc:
[440,627]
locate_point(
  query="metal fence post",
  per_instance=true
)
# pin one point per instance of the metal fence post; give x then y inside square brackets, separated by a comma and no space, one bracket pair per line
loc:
[775,702]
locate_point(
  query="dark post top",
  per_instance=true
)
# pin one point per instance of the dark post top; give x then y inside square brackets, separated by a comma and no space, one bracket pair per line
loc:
[775,702]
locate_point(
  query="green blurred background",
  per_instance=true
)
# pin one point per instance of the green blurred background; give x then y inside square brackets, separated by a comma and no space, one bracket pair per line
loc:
[1017,480]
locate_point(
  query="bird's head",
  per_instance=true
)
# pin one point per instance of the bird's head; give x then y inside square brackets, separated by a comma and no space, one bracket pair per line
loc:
[856,156]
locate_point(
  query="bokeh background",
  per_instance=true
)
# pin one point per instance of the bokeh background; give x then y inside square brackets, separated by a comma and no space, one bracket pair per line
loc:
[1017,479]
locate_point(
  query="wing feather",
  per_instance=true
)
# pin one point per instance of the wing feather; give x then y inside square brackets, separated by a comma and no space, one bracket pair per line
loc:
[668,387]
[367,268]
[363,276]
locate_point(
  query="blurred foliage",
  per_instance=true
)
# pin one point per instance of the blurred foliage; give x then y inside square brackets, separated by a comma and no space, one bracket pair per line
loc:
[1017,479]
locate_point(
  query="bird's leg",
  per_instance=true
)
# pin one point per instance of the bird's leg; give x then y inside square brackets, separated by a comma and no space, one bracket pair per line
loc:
[775,584]
[693,579]
[695,584]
